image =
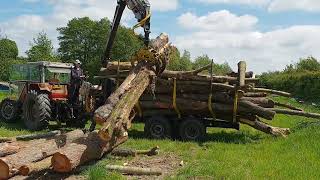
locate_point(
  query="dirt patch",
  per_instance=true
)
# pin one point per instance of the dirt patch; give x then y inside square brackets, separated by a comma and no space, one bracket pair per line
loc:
[168,163]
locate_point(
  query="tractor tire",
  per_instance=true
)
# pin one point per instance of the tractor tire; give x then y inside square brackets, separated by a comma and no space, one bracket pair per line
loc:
[36,111]
[9,111]
[192,129]
[158,127]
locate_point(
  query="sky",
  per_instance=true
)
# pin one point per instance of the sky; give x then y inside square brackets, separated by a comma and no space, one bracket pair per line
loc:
[268,34]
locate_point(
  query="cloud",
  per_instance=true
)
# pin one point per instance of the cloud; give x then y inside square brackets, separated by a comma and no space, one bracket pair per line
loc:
[288,5]
[273,5]
[248,2]
[263,51]
[24,27]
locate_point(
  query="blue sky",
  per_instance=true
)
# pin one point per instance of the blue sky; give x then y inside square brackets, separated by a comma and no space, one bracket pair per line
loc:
[267,33]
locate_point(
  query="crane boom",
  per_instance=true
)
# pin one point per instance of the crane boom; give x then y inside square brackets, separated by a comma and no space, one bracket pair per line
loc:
[141,10]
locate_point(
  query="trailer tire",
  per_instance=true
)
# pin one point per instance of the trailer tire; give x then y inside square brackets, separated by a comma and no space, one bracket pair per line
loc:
[192,130]
[158,127]
[36,111]
[9,111]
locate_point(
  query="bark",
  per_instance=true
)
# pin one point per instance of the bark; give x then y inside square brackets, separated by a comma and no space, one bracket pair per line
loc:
[129,152]
[35,167]
[5,139]
[85,149]
[134,170]
[114,116]
[275,131]
[200,108]
[248,74]
[263,102]
[296,113]
[280,93]
[8,149]
[40,149]
[252,94]
[288,106]
[242,67]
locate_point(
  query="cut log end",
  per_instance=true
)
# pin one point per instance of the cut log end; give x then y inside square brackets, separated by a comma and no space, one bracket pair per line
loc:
[24,170]
[61,163]
[4,170]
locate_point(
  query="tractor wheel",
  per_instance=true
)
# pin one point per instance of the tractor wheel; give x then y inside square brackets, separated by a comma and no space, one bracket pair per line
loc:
[192,130]
[9,112]
[158,127]
[36,111]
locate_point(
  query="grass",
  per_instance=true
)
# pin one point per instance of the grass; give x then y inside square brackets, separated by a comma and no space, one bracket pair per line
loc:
[230,154]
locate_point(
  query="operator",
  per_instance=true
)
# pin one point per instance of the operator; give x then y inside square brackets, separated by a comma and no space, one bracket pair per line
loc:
[76,80]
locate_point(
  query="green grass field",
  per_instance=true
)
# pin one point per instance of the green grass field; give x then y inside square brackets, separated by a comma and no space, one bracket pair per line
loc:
[230,154]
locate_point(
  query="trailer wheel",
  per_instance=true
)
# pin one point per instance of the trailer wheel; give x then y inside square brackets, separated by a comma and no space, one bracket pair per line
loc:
[9,111]
[36,111]
[158,127]
[192,130]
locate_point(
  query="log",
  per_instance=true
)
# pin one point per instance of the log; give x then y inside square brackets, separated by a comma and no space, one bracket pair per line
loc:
[35,167]
[296,113]
[287,106]
[8,149]
[263,102]
[252,94]
[270,91]
[5,139]
[114,115]
[129,152]
[37,136]
[275,131]
[134,170]
[194,107]
[40,149]
[248,74]
[85,149]
[242,67]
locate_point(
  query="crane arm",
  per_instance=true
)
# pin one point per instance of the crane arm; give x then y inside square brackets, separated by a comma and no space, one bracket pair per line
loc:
[141,10]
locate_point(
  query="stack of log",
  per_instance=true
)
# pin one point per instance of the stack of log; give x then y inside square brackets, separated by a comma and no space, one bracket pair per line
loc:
[231,98]
[61,152]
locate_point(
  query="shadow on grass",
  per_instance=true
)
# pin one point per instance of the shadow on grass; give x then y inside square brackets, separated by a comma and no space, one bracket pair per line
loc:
[222,136]
[304,125]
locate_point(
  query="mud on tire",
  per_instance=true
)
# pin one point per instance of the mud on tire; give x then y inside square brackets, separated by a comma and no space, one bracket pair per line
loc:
[36,111]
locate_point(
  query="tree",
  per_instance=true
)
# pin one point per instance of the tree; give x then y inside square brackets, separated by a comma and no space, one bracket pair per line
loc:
[182,63]
[41,49]
[8,49]
[85,39]
[308,64]
[201,61]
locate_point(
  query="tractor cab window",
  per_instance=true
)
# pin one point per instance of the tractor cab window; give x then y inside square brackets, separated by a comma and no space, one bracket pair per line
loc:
[57,75]
[25,72]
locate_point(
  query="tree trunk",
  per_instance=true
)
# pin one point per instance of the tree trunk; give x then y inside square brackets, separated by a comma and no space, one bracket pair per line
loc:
[35,167]
[39,150]
[296,113]
[280,93]
[85,149]
[8,149]
[275,131]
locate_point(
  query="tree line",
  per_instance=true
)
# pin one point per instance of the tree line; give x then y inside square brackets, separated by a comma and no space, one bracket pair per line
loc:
[301,79]
[85,39]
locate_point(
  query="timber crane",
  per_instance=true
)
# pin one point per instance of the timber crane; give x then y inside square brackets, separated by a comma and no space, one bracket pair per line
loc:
[141,10]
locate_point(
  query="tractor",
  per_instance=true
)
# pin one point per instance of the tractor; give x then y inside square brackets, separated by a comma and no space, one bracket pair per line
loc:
[39,92]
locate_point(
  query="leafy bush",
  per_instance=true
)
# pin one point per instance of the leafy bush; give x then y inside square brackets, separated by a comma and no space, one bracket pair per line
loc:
[301,79]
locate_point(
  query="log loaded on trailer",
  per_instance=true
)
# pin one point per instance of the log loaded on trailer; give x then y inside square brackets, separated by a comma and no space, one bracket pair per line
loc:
[183,104]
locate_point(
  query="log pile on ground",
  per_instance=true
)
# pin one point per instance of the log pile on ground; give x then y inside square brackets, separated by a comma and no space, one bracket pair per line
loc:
[62,153]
